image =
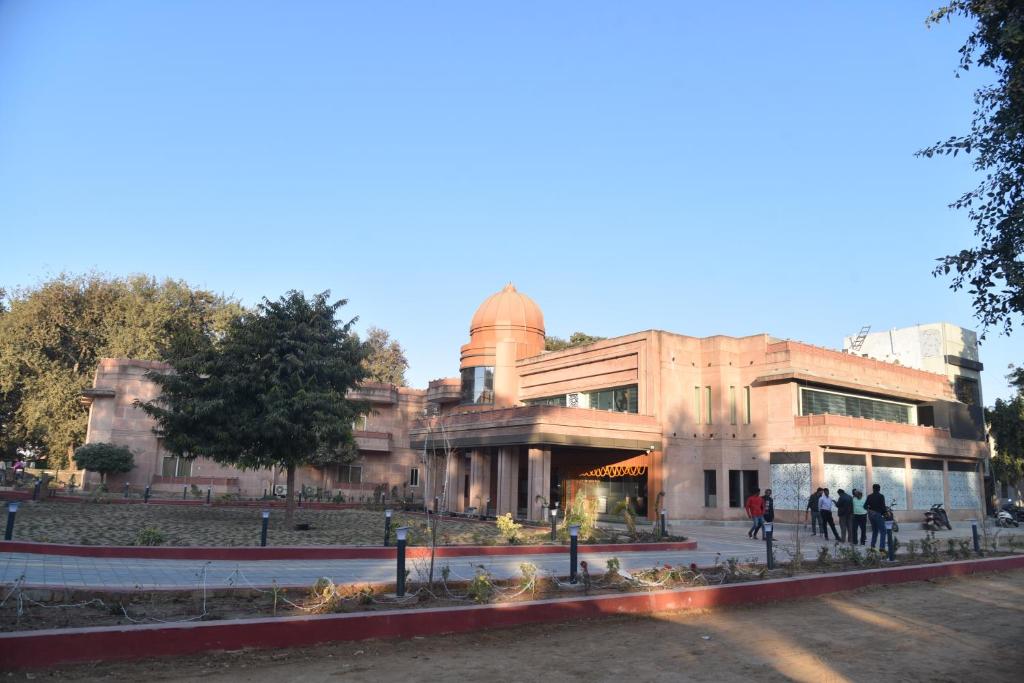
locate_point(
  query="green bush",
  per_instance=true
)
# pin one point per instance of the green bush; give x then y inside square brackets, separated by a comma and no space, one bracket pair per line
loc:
[508,528]
[104,458]
[150,536]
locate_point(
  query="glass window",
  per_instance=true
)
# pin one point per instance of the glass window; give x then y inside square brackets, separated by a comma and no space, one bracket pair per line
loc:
[414,476]
[707,405]
[353,474]
[817,402]
[478,385]
[173,466]
[966,390]
[618,399]
[746,402]
[710,488]
[732,405]
[735,488]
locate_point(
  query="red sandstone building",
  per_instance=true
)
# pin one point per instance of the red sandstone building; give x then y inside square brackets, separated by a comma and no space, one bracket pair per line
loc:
[687,424]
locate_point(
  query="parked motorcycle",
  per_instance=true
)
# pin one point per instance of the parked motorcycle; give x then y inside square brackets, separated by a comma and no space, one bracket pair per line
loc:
[890,515]
[936,519]
[1005,519]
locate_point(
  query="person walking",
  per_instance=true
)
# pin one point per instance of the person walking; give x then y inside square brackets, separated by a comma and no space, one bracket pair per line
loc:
[812,511]
[860,517]
[825,508]
[755,510]
[769,506]
[844,508]
[875,505]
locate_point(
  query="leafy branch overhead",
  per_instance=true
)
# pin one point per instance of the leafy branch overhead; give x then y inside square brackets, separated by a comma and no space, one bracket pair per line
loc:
[993,271]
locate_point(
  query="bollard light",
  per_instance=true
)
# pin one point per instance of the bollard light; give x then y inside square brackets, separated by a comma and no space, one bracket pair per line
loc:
[401,533]
[888,539]
[664,532]
[145,494]
[184,492]
[208,490]
[387,527]
[574,533]
[35,489]
[554,522]
[974,534]
[12,510]
[263,534]
[768,526]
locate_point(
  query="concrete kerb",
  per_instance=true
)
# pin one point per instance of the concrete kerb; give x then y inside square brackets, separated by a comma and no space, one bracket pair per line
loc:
[66,646]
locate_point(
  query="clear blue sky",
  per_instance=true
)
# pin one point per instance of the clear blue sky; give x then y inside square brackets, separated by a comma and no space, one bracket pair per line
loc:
[703,168]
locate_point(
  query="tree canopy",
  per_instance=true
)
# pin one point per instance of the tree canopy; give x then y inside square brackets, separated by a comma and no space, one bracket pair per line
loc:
[53,335]
[271,393]
[1006,425]
[992,271]
[575,339]
[104,458]
[385,358]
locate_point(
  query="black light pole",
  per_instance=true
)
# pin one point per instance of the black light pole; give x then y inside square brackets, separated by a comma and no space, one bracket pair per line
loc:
[208,490]
[768,532]
[554,522]
[12,510]
[35,490]
[387,527]
[263,534]
[437,504]
[574,532]
[974,533]
[664,533]
[126,489]
[145,494]
[184,492]
[888,539]
[400,534]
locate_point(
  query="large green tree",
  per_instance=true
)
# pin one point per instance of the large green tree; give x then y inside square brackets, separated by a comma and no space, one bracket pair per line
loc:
[271,393]
[1006,425]
[385,358]
[53,335]
[992,271]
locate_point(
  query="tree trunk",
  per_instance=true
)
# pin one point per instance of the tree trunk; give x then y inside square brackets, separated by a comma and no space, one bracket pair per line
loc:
[289,510]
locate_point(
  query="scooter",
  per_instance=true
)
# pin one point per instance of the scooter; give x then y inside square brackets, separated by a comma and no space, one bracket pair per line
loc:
[1005,519]
[936,519]
[891,516]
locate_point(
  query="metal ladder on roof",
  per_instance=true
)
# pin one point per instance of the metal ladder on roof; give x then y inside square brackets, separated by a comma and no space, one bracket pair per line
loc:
[859,341]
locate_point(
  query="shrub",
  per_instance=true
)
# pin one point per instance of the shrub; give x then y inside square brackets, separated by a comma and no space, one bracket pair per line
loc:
[508,528]
[481,588]
[582,512]
[150,536]
[104,458]
[625,508]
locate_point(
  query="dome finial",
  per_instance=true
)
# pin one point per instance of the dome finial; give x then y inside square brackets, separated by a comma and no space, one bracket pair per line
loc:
[509,288]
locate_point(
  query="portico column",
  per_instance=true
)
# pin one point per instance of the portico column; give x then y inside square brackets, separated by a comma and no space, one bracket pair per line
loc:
[479,478]
[655,481]
[453,500]
[908,481]
[539,482]
[508,480]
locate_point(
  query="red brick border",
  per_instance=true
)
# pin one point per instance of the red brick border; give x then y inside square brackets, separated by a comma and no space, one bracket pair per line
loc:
[55,647]
[336,552]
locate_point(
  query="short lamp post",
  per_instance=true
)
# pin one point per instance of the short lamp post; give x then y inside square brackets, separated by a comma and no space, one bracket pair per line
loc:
[263,533]
[145,494]
[401,533]
[574,534]
[184,492]
[127,488]
[208,491]
[888,539]
[768,527]
[664,529]
[554,522]
[35,489]
[12,510]
[974,534]
[387,527]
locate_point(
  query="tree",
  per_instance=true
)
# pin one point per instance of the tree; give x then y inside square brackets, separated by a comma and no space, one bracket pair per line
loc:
[385,358]
[575,339]
[52,337]
[104,458]
[993,271]
[270,393]
[1006,426]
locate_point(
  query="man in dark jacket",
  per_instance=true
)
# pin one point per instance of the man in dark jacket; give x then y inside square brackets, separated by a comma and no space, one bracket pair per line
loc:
[875,505]
[812,509]
[844,506]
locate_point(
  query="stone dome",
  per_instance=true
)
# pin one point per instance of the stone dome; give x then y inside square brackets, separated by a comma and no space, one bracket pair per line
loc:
[508,308]
[507,316]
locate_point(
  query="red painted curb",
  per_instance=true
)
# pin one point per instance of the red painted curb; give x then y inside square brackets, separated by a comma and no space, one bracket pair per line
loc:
[66,646]
[336,552]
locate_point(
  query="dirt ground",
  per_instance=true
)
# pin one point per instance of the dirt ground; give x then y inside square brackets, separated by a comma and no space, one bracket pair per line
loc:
[109,524]
[946,630]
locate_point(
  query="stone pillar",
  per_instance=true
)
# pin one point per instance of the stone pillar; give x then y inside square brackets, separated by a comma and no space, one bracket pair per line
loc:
[655,481]
[539,482]
[453,501]
[508,480]
[908,483]
[479,478]
[945,486]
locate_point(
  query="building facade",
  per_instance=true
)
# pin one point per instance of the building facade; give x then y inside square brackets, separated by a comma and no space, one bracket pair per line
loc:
[690,425]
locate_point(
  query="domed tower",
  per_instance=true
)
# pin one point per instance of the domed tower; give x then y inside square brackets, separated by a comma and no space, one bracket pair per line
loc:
[507,326]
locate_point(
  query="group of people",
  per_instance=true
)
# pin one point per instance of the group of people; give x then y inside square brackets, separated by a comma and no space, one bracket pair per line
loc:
[16,470]
[854,511]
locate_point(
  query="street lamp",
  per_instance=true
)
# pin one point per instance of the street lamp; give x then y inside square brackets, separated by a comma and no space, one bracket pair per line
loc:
[401,533]
[387,526]
[768,527]
[574,533]
[263,533]
[554,522]
[12,510]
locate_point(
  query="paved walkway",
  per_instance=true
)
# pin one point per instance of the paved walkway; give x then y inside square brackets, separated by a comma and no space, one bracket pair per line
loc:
[713,542]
